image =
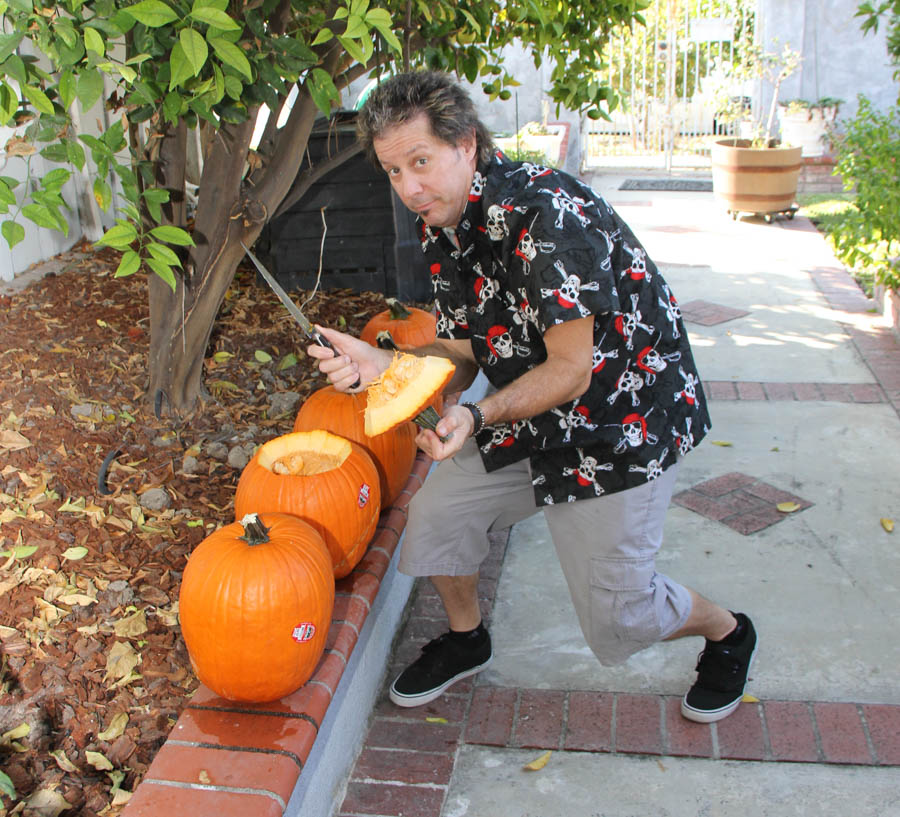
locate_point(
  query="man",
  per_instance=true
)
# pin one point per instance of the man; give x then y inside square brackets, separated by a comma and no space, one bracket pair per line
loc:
[595,396]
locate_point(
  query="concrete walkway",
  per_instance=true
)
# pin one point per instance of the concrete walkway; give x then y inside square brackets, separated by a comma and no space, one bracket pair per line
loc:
[804,387]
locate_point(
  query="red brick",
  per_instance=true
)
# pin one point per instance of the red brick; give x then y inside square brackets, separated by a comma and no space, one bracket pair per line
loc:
[750,391]
[720,389]
[375,561]
[773,495]
[866,393]
[240,730]
[779,391]
[491,716]
[225,768]
[883,721]
[389,799]
[404,767]
[352,609]
[638,724]
[155,800]
[791,733]
[807,391]
[725,484]
[539,721]
[703,505]
[342,638]
[361,584]
[686,738]
[311,699]
[753,521]
[418,736]
[835,392]
[589,725]
[841,731]
[741,734]
[739,502]
[330,670]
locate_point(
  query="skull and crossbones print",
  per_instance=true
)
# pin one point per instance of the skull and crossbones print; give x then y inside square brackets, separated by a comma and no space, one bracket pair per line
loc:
[651,362]
[565,203]
[500,344]
[527,249]
[586,472]
[634,429]
[532,171]
[653,469]
[568,294]
[627,323]
[577,417]
[638,270]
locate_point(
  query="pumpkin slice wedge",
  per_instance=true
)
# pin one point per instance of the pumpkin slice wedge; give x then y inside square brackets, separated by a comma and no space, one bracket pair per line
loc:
[406,388]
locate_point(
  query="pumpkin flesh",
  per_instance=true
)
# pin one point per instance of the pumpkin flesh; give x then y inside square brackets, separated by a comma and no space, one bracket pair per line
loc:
[326,480]
[409,385]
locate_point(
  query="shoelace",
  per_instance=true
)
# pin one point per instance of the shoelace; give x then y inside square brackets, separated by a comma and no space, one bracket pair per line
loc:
[716,660]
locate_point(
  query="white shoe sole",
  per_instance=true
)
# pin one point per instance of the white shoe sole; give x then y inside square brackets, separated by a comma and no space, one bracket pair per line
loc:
[427,697]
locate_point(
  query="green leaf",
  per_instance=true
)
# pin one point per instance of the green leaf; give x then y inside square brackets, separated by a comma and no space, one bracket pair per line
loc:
[352,48]
[9,43]
[7,196]
[75,553]
[214,17]
[172,235]
[102,194]
[41,215]
[128,74]
[13,232]
[324,35]
[262,357]
[75,153]
[232,55]
[322,89]
[164,271]
[290,359]
[152,13]
[6,785]
[164,253]
[195,49]
[120,236]
[356,27]
[38,98]
[9,103]
[180,69]
[233,87]
[93,41]
[89,88]
[173,101]
[67,88]
[130,264]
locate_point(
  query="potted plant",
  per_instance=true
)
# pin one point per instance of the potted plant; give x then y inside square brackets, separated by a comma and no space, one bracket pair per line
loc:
[808,124]
[752,172]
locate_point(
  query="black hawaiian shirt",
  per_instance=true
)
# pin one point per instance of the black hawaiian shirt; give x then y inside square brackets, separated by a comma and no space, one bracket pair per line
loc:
[537,247]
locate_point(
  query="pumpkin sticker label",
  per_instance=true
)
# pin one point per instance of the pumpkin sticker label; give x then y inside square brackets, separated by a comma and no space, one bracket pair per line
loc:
[303,632]
[363,497]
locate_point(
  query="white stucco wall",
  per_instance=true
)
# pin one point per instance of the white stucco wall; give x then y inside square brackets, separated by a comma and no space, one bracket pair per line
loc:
[838,59]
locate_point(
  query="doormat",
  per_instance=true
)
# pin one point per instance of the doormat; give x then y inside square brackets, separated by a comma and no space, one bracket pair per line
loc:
[681,185]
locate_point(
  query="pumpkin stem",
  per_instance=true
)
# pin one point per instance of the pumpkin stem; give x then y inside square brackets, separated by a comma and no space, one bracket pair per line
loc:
[429,418]
[385,340]
[255,532]
[398,311]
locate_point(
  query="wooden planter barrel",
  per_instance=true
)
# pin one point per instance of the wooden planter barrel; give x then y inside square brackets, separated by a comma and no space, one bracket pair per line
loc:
[755,180]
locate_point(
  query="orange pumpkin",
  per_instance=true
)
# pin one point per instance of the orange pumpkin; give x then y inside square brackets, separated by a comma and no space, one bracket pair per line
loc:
[324,479]
[343,413]
[408,326]
[255,605]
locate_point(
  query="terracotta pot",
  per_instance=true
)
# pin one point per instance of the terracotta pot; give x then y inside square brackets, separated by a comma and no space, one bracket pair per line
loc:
[755,180]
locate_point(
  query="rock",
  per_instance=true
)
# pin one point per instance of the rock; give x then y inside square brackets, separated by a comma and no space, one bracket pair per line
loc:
[217,451]
[190,465]
[156,499]
[82,410]
[283,403]
[164,440]
[238,456]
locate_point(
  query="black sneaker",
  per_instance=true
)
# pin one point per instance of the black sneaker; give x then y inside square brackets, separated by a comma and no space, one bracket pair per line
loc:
[721,675]
[443,662]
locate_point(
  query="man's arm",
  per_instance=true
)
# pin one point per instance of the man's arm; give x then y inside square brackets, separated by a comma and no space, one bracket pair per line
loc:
[562,377]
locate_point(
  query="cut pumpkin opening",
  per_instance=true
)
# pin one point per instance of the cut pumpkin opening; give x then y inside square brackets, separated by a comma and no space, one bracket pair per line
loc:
[404,389]
[304,453]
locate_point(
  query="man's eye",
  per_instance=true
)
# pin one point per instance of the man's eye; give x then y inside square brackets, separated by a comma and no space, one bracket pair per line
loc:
[421,161]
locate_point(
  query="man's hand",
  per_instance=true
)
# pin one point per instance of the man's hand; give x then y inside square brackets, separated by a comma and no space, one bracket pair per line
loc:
[356,360]
[456,426]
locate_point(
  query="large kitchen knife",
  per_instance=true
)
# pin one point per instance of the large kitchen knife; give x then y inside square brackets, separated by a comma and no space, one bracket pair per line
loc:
[308,329]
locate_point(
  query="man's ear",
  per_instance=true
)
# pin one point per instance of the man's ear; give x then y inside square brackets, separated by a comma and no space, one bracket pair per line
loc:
[468,144]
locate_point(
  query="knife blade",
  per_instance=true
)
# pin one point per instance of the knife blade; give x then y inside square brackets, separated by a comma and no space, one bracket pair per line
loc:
[308,329]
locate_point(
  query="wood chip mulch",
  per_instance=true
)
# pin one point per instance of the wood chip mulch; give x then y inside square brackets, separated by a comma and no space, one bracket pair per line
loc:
[93,669]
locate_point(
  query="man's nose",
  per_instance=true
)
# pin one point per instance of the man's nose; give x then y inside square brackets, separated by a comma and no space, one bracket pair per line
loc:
[410,187]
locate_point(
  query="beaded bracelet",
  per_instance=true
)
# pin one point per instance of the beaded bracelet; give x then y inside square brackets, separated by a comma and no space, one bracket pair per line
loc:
[477,415]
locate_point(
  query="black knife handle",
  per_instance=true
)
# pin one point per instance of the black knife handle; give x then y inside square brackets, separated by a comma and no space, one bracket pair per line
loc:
[322,341]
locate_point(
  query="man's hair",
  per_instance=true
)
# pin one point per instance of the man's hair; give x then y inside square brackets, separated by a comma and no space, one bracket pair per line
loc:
[403,97]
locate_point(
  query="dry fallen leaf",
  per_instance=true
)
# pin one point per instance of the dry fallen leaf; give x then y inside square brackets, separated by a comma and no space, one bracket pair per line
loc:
[131,626]
[13,441]
[62,761]
[722,443]
[435,720]
[21,731]
[788,507]
[116,727]
[538,763]
[47,803]
[203,777]
[121,661]
[750,699]
[99,761]
[887,524]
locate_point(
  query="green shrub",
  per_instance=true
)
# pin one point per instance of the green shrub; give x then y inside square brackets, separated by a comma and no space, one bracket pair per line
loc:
[867,237]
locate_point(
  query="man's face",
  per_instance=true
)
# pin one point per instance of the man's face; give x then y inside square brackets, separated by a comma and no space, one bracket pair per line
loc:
[431,177]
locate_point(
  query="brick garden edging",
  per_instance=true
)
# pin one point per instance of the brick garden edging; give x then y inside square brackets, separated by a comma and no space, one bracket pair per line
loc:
[244,760]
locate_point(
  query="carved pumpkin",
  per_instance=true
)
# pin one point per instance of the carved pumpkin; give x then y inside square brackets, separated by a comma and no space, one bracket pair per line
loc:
[326,480]
[255,605]
[407,325]
[405,389]
[343,413]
